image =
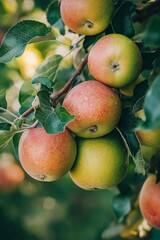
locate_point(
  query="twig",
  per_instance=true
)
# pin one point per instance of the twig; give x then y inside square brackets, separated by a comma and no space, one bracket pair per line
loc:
[63,90]
[146,12]
[26,113]
[68,84]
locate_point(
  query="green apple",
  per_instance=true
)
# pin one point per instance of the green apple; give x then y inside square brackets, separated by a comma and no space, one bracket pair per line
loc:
[115,60]
[101,163]
[87,17]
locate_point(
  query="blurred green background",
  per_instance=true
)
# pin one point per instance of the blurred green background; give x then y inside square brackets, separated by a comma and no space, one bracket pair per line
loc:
[58,210]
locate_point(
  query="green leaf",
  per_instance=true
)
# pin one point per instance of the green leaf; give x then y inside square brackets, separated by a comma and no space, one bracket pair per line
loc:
[26,96]
[5,137]
[121,206]
[156,63]
[57,120]
[15,144]
[3,102]
[48,69]
[54,16]
[19,36]
[152,107]
[122,21]
[150,58]
[140,91]
[139,163]
[53,120]
[5,126]
[152,33]
[44,81]
[42,4]
[127,125]
[89,40]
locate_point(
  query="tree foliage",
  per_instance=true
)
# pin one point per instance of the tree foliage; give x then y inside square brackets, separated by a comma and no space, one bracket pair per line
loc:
[35,100]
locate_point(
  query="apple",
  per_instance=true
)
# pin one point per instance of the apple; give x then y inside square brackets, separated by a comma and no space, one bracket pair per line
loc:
[101,163]
[46,157]
[149,201]
[115,60]
[11,174]
[87,17]
[149,138]
[96,107]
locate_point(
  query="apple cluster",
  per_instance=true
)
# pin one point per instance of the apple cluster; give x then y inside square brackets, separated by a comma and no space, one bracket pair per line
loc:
[91,149]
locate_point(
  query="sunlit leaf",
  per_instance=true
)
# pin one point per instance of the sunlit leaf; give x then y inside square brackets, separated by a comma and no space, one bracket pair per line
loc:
[3,102]
[26,96]
[53,120]
[57,120]
[5,137]
[48,69]
[44,81]
[19,36]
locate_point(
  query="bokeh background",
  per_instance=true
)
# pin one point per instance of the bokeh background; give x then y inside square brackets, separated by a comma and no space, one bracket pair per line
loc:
[58,210]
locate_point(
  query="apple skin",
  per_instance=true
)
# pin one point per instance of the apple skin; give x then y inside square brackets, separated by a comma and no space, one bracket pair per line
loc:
[11,176]
[101,163]
[87,17]
[96,107]
[115,60]
[46,157]
[149,201]
[150,138]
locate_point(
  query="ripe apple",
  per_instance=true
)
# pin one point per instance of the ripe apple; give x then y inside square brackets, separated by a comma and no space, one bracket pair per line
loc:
[115,60]
[149,201]
[149,138]
[46,157]
[101,163]
[11,175]
[87,17]
[97,109]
